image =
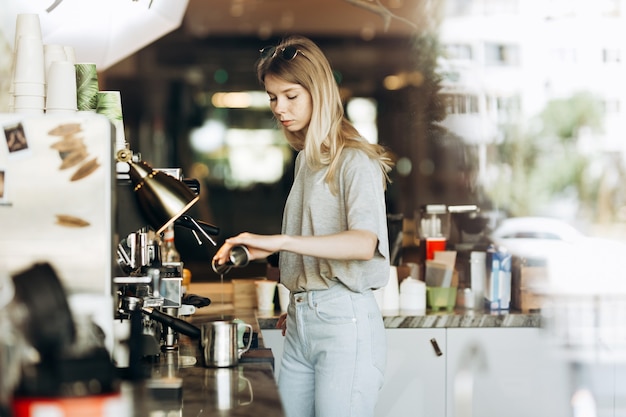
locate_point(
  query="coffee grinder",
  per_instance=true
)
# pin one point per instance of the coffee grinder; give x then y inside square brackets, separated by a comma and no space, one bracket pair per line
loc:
[433,230]
[469,241]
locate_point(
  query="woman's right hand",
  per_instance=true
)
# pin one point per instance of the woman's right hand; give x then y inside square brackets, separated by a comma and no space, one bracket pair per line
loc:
[254,243]
[282,323]
[259,246]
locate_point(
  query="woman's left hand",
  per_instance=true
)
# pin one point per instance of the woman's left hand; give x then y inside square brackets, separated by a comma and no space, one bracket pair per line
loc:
[282,323]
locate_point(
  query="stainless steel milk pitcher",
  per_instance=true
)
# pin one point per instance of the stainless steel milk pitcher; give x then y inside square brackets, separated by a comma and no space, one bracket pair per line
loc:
[220,345]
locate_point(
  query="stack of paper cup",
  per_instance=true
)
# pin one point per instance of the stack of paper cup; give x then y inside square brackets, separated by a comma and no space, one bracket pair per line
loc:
[86,86]
[109,104]
[61,98]
[27,24]
[52,53]
[28,78]
[29,81]
[70,54]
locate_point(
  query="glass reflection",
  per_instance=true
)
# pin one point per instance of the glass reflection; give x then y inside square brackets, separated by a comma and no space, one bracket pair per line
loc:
[531,88]
[514,107]
[227,389]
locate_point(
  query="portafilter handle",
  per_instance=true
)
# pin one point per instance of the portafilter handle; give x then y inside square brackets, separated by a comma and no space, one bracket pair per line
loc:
[181,326]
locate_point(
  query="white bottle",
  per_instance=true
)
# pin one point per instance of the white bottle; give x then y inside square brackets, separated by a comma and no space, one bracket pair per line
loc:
[391,294]
[412,296]
[169,252]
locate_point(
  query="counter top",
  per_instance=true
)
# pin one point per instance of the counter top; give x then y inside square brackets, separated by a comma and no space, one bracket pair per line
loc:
[459,318]
[179,384]
[463,319]
[244,390]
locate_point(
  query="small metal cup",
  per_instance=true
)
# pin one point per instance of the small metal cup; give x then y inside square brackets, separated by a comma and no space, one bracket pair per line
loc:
[238,258]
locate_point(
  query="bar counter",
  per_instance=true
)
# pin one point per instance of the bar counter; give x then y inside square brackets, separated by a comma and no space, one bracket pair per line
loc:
[249,388]
[461,318]
[179,384]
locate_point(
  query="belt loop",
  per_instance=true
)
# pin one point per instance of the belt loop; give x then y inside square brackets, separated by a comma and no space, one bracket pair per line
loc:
[311,298]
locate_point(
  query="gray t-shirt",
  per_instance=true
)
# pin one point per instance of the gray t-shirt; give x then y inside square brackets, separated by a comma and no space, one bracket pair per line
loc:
[313,210]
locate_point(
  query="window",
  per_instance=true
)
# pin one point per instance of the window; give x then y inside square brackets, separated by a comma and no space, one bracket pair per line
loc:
[501,54]
[458,51]
[460,103]
[611,55]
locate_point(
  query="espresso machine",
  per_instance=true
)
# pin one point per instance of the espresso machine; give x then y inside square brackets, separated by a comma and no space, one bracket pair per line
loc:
[147,290]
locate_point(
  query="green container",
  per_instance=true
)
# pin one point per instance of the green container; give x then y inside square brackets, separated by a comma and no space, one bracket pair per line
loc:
[441,298]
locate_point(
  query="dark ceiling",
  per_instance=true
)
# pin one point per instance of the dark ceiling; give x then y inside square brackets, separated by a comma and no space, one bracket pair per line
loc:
[226,35]
[361,64]
[266,18]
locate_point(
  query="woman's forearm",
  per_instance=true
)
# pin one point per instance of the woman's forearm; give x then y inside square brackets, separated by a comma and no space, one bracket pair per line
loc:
[347,245]
[351,244]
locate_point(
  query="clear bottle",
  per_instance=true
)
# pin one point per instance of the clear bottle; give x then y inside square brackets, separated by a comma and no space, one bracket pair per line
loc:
[169,253]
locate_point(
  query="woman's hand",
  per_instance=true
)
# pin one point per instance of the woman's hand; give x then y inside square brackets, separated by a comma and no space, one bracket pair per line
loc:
[222,254]
[282,323]
[259,246]
[263,245]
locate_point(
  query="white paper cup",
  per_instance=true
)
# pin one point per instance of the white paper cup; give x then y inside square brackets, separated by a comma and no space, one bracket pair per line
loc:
[31,102]
[70,54]
[27,24]
[52,53]
[61,94]
[28,111]
[29,89]
[13,62]
[265,290]
[283,297]
[109,104]
[63,112]
[29,62]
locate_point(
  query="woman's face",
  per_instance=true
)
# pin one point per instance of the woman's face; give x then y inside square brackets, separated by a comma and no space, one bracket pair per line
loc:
[291,103]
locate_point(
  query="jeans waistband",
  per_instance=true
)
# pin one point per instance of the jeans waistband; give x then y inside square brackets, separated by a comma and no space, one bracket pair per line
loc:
[315,296]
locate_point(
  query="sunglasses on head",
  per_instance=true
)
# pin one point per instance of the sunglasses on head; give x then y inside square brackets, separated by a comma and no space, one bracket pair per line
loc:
[287,53]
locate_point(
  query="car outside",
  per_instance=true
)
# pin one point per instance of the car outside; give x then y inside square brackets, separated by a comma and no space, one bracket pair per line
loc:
[576,262]
[535,237]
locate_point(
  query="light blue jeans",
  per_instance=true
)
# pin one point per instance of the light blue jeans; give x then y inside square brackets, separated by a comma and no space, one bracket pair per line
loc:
[334,355]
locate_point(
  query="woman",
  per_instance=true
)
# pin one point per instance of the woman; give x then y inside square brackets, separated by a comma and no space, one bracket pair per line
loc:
[333,247]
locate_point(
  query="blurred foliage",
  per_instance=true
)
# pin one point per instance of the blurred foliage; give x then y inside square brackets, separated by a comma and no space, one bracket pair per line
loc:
[542,165]
[562,118]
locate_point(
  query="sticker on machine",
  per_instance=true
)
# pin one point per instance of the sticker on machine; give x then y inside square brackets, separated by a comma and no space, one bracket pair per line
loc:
[16,138]
[4,200]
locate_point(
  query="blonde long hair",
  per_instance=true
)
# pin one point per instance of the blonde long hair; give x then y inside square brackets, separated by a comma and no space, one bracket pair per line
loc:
[329,131]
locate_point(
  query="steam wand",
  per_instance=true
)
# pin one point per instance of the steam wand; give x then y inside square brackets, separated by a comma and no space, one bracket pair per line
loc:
[198,226]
